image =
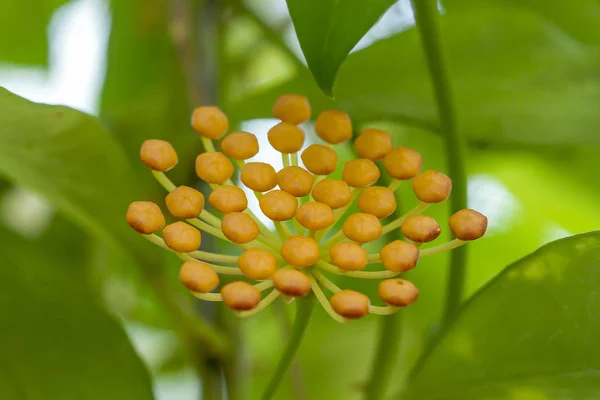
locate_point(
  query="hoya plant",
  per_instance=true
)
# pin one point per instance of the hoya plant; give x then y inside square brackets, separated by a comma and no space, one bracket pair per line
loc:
[407,216]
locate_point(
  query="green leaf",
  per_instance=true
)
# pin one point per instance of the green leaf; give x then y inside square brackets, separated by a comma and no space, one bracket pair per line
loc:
[69,158]
[23,27]
[329,29]
[531,333]
[56,342]
[527,84]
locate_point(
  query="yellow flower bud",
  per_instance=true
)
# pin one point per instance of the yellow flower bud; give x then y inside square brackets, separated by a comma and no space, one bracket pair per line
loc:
[421,228]
[468,224]
[360,173]
[333,126]
[257,264]
[185,202]
[292,108]
[399,256]
[373,144]
[300,251]
[402,163]
[348,256]
[278,205]
[145,217]
[240,296]
[209,122]
[227,199]
[198,277]
[158,155]
[378,201]
[181,237]
[314,215]
[398,292]
[239,227]
[319,159]
[362,228]
[213,167]
[240,145]
[286,138]
[259,176]
[432,187]
[291,282]
[295,180]
[350,304]
[333,192]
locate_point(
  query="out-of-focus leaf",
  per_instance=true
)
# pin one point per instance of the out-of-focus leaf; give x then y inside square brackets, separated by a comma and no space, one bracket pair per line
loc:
[56,342]
[530,333]
[23,28]
[69,158]
[528,84]
[580,19]
[145,95]
[329,29]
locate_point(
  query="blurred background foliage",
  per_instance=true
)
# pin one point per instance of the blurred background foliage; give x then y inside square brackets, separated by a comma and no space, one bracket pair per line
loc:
[527,89]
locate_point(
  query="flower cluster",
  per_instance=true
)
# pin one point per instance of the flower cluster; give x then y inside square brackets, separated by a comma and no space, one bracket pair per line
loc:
[304,205]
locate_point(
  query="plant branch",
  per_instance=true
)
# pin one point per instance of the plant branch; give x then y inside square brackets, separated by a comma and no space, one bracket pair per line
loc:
[428,23]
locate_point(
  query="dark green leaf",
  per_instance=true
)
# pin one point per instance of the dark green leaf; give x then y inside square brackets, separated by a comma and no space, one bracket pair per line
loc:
[529,84]
[56,343]
[329,29]
[23,28]
[531,333]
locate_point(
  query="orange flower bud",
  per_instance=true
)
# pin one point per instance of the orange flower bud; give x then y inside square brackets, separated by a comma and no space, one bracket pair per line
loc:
[185,202]
[373,144]
[360,173]
[398,292]
[292,108]
[333,126]
[314,215]
[333,192]
[213,167]
[257,264]
[240,145]
[399,256]
[158,155]
[259,176]
[145,217]
[286,138]
[295,180]
[239,227]
[198,277]
[402,163]
[319,159]
[378,201]
[421,228]
[181,237]
[348,256]
[362,228]
[209,122]
[300,251]
[278,205]
[468,224]
[350,304]
[291,282]
[227,199]
[240,296]
[432,187]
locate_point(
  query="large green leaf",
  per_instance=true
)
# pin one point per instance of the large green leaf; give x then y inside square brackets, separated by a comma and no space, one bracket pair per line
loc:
[56,342]
[23,27]
[529,334]
[328,30]
[516,78]
[69,158]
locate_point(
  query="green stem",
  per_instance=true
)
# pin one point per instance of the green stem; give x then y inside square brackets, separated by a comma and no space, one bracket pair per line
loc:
[428,23]
[304,311]
[386,354]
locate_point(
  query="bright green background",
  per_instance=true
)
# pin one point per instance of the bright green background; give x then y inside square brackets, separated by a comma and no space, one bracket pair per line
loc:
[527,88]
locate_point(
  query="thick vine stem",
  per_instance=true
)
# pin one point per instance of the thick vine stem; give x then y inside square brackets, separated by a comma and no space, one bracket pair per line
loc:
[428,23]
[304,309]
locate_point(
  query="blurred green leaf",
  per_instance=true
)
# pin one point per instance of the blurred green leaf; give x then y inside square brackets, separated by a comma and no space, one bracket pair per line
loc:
[530,333]
[56,342]
[70,159]
[329,29]
[527,84]
[23,28]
